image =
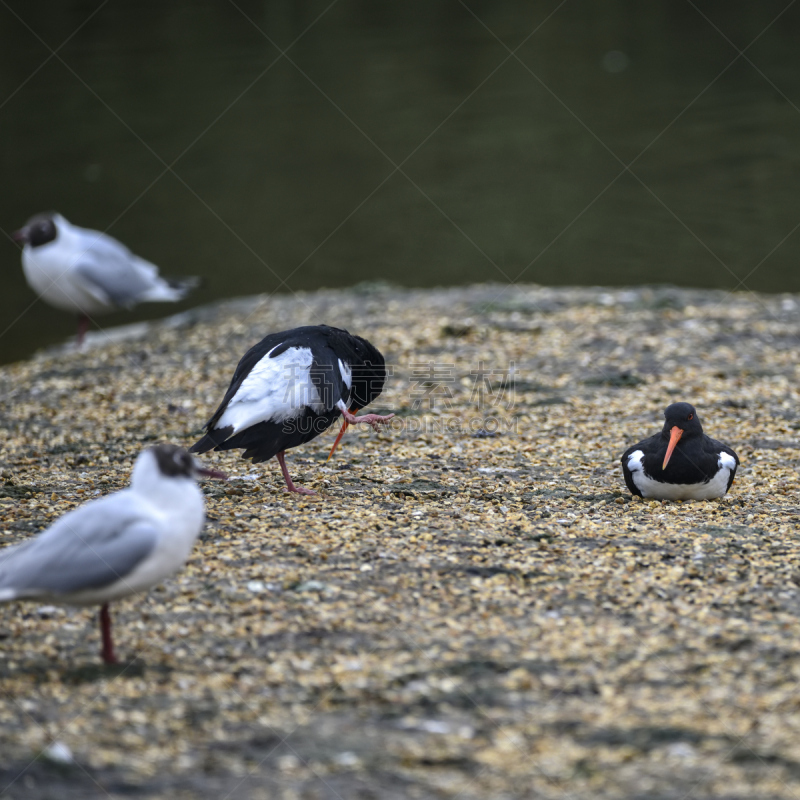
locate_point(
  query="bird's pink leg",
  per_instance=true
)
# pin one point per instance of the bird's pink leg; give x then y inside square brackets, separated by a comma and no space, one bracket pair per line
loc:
[374,420]
[105,629]
[290,486]
[83,326]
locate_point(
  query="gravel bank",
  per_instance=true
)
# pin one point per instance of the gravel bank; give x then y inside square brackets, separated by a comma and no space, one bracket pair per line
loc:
[472,606]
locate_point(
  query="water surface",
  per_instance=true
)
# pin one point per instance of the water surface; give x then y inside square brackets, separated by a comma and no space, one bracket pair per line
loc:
[422,143]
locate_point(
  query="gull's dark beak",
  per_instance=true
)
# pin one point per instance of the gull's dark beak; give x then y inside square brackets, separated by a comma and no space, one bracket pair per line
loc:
[20,236]
[207,472]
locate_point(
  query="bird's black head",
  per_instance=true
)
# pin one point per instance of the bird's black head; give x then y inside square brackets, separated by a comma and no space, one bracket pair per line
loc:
[175,462]
[684,417]
[37,231]
[369,373]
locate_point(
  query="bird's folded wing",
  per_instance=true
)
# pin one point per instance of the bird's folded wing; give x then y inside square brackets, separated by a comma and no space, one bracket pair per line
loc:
[100,247]
[326,375]
[88,548]
[110,272]
[280,386]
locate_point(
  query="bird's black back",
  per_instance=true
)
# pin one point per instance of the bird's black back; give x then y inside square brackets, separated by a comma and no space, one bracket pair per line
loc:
[328,346]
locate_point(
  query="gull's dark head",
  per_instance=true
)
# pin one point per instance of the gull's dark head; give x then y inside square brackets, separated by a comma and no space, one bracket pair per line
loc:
[38,230]
[175,462]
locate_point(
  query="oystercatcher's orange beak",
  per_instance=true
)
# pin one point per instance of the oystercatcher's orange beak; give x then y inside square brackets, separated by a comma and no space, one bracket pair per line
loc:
[345,423]
[674,435]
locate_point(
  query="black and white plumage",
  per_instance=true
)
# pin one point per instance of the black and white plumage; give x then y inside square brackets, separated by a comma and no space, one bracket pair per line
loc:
[88,272]
[291,387]
[114,546]
[680,462]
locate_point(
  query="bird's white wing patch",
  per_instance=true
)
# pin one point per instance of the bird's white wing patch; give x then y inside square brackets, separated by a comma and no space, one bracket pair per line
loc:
[726,461]
[276,389]
[635,461]
[346,373]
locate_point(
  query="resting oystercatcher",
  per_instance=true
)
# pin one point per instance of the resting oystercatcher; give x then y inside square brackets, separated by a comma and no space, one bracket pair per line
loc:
[681,462]
[291,387]
[89,272]
[117,545]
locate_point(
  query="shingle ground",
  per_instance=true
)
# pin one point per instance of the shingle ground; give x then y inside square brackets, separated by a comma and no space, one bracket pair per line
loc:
[472,606]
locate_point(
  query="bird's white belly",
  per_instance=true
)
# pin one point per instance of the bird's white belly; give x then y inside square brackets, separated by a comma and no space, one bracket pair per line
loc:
[657,490]
[54,281]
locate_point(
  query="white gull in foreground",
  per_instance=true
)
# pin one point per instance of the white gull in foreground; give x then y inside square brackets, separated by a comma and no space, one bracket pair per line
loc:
[88,272]
[117,545]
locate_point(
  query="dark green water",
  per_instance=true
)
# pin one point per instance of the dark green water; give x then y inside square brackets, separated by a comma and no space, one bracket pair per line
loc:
[403,142]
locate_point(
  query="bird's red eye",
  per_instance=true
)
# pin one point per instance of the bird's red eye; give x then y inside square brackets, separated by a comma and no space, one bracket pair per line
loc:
[690,416]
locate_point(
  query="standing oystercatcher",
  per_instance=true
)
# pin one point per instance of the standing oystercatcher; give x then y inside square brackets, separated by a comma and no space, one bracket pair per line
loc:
[681,462]
[115,546]
[89,272]
[291,387]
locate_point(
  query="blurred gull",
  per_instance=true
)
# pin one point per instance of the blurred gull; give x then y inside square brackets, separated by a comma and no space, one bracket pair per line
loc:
[114,546]
[89,272]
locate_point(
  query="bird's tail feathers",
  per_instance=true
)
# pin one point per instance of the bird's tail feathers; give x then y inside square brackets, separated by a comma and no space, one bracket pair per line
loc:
[214,438]
[171,290]
[184,285]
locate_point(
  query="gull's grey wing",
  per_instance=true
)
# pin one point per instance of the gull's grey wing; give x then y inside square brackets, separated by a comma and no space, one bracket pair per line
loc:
[101,247]
[111,270]
[119,281]
[88,548]
[102,243]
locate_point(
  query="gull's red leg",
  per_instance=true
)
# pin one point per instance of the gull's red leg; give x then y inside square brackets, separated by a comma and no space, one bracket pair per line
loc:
[83,326]
[105,629]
